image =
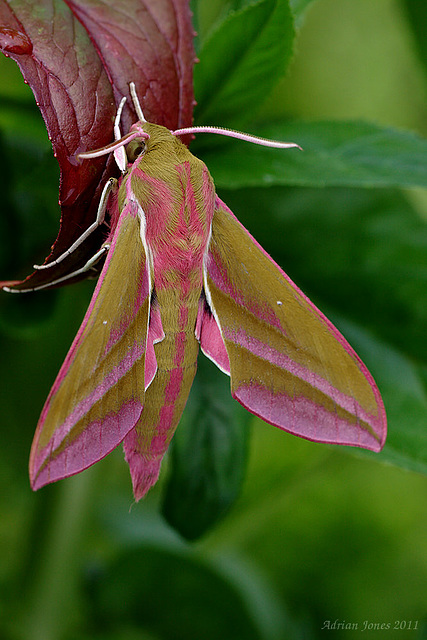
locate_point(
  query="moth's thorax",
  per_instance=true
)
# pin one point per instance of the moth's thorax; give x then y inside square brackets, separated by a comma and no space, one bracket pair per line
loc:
[175,196]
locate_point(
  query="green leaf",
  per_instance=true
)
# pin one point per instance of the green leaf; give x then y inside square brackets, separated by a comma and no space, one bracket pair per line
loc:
[405,398]
[208,455]
[241,61]
[354,154]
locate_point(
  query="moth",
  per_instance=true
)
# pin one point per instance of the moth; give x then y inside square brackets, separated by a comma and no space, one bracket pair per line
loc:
[180,273]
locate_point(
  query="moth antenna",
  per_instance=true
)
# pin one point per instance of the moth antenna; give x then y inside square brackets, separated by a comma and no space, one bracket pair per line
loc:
[102,151]
[136,102]
[247,137]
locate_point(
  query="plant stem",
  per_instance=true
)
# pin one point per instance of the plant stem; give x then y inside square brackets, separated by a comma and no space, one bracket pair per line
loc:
[53,594]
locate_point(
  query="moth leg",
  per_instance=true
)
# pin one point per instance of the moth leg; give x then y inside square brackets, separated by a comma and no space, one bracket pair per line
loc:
[120,153]
[110,186]
[87,267]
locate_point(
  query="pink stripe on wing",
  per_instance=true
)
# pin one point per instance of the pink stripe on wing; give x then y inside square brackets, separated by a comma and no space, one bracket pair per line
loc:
[303,417]
[98,439]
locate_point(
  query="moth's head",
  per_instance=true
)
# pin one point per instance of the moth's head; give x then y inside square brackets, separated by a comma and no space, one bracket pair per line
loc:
[153,142]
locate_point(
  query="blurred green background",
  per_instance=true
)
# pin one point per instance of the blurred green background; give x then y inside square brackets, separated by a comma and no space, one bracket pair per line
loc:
[318,534]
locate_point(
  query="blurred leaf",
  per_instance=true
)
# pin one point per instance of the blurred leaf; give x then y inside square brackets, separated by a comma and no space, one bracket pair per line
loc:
[354,154]
[405,398]
[29,214]
[19,115]
[417,14]
[208,454]
[241,61]
[299,521]
[22,314]
[175,595]
[7,222]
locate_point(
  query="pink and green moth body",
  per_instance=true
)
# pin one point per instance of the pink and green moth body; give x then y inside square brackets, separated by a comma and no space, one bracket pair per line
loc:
[181,273]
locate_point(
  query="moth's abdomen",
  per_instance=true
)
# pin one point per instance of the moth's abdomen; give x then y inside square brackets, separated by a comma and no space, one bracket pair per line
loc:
[167,395]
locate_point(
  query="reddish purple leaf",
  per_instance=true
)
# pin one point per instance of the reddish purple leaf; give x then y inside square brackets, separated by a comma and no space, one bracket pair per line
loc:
[78,58]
